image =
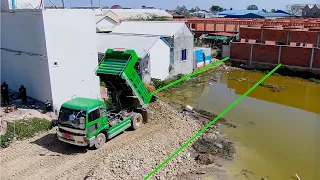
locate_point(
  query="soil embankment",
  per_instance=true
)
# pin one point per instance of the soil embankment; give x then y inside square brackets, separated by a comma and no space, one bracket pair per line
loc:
[131,155]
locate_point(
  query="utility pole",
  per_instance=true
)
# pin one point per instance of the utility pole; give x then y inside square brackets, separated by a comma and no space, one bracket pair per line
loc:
[63,4]
[99,4]
[91,3]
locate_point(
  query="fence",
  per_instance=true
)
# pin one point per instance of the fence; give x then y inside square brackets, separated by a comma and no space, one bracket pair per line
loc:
[275,54]
[281,35]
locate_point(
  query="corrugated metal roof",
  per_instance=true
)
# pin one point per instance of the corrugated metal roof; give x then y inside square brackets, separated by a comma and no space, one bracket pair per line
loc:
[141,44]
[160,28]
[258,15]
[132,13]
[239,12]
[273,14]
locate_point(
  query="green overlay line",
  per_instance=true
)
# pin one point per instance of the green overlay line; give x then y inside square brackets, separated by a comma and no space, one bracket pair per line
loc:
[189,75]
[210,124]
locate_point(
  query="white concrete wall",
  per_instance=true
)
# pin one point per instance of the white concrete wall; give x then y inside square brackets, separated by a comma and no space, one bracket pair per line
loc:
[160,60]
[24,31]
[71,43]
[106,24]
[225,51]
[183,39]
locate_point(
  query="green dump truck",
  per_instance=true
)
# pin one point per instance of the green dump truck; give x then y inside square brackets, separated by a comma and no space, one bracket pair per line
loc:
[89,122]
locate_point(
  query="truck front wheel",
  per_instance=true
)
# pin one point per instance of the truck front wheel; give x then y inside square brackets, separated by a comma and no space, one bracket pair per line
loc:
[136,121]
[100,140]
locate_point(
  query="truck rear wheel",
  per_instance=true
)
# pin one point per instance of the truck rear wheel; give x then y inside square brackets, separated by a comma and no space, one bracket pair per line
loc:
[136,121]
[100,140]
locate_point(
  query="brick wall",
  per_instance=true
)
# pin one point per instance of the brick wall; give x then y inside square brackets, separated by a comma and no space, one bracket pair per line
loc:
[316,58]
[250,33]
[240,51]
[279,35]
[219,27]
[295,56]
[303,36]
[272,35]
[291,56]
[265,53]
[200,27]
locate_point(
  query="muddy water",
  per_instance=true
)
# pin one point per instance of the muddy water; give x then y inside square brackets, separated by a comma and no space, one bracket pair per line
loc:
[278,133]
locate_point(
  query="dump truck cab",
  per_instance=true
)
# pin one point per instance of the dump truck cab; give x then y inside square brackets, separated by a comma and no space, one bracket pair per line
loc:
[80,119]
[89,122]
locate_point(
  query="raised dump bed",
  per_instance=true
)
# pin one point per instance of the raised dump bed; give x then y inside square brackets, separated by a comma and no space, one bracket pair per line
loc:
[118,71]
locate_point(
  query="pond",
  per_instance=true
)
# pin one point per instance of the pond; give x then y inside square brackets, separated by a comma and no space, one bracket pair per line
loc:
[277,134]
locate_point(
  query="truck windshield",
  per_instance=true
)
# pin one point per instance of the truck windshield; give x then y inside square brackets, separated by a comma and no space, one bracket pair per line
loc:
[70,117]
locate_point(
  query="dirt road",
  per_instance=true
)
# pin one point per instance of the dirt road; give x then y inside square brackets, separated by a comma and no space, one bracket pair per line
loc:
[130,155]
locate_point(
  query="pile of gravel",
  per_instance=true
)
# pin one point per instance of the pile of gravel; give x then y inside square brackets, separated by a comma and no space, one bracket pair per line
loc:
[138,159]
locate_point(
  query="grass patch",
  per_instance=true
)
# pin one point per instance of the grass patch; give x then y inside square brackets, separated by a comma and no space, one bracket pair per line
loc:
[314,80]
[24,129]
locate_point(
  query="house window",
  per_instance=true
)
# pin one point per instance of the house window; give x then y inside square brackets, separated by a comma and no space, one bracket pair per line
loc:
[184,54]
[193,26]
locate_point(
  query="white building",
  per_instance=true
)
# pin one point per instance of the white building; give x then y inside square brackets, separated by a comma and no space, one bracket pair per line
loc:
[177,34]
[51,52]
[153,52]
[106,20]
[124,14]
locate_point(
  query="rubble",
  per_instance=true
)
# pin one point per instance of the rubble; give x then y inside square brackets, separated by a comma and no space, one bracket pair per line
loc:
[131,155]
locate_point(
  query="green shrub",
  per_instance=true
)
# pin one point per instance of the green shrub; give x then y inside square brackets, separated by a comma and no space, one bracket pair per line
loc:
[314,80]
[157,83]
[24,129]
[102,84]
[108,102]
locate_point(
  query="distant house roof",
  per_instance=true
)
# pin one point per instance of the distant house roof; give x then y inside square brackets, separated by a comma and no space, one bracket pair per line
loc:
[141,44]
[239,12]
[160,28]
[116,7]
[132,13]
[282,11]
[258,15]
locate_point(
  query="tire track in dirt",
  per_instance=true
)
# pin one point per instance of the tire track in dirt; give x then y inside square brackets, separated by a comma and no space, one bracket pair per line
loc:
[82,168]
[61,166]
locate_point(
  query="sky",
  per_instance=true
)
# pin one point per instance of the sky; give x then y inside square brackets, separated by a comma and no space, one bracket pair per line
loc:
[172,4]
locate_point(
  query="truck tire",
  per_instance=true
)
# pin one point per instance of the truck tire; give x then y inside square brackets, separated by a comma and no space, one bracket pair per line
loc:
[136,121]
[100,140]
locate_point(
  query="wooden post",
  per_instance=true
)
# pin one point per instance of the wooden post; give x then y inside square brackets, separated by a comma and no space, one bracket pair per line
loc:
[288,37]
[311,59]
[318,40]
[261,40]
[279,55]
[251,49]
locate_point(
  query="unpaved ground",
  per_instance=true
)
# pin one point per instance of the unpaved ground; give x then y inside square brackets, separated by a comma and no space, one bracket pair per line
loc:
[131,155]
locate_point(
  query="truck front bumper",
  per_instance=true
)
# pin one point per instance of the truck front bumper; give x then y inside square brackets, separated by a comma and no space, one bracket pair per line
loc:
[76,140]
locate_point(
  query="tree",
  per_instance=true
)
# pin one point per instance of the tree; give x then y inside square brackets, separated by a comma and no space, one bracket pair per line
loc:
[183,11]
[149,17]
[273,10]
[252,7]
[192,10]
[216,8]
[231,9]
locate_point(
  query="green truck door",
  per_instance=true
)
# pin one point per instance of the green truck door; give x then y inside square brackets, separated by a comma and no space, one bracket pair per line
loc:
[97,121]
